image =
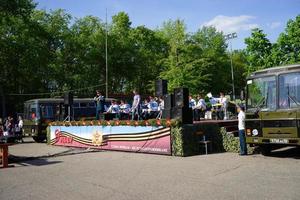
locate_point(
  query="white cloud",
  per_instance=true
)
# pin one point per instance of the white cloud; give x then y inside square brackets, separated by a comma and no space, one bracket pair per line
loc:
[229,24]
[274,25]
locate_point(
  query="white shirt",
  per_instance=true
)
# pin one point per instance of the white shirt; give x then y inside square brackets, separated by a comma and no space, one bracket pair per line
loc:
[201,104]
[161,105]
[153,106]
[241,117]
[114,109]
[20,124]
[136,101]
[223,101]
[125,108]
[192,103]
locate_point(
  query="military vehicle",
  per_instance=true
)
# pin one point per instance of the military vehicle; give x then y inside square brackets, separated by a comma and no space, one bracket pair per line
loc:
[273,108]
[38,113]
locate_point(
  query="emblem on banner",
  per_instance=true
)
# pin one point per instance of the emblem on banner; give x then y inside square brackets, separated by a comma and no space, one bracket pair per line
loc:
[97,138]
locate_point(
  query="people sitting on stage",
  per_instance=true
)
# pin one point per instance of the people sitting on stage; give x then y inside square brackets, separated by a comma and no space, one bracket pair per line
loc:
[161,107]
[114,107]
[113,111]
[153,105]
[153,108]
[211,106]
[124,110]
[223,110]
[192,102]
[145,107]
[200,108]
[212,99]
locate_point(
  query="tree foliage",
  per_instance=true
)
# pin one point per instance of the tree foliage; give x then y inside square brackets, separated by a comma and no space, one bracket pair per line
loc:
[261,53]
[49,52]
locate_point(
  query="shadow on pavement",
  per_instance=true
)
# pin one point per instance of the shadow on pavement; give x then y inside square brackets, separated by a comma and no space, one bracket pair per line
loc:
[38,162]
[291,152]
[43,159]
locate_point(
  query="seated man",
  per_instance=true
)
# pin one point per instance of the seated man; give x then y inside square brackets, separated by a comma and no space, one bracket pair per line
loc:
[200,108]
[152,108]
[145,107]
[113,111]
[124,110]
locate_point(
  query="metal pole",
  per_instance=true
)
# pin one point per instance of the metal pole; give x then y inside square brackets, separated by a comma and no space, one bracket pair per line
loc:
[232,76]
[229,37]
[106,65]
[69,113]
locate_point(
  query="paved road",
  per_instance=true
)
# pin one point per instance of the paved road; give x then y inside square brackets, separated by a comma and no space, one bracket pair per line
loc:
[48,172]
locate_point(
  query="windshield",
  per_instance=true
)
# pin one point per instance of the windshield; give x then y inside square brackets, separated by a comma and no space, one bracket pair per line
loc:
[47,111]
[289,90]
[262,94]
[31,111]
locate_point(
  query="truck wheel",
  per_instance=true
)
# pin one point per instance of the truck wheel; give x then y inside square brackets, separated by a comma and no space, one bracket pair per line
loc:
[39,139]
[265,149]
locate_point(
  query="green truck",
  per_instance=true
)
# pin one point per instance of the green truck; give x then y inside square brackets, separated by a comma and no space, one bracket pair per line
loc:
[273,108]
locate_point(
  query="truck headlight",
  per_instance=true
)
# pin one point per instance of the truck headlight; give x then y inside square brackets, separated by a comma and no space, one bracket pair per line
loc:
[254,132]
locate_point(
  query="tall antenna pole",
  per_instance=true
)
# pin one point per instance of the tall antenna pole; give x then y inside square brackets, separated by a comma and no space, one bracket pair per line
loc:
[106,65]
[230,37]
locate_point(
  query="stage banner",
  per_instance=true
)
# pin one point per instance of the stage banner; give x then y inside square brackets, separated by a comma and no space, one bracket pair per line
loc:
[146,139]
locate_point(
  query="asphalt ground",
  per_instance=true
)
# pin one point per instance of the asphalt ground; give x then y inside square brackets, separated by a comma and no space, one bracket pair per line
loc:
[49,172]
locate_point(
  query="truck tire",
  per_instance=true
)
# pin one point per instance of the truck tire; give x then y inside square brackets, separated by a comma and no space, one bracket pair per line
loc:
[265,149]
[39,139]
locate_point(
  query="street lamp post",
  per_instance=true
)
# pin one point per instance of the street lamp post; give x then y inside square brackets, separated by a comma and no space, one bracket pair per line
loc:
[106,64]
[230,37]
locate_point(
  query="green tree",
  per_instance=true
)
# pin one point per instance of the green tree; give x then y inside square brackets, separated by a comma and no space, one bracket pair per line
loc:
[23,51]
[213,47]
[258,50]
[287,49]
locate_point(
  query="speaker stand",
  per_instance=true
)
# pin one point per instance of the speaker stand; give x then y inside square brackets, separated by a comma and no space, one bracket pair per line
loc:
[68,118]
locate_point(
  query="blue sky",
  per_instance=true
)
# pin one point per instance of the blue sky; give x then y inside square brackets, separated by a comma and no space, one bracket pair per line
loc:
[238,16]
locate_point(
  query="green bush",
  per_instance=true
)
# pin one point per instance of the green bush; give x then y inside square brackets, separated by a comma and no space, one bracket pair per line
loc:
[231,143]
[177,142]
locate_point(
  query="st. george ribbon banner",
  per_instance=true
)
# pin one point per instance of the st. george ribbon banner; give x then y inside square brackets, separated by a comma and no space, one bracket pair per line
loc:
[145,139]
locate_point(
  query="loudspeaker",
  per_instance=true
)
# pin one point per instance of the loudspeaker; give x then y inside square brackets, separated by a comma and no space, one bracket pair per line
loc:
[181,97]
[183,113]
[68,98]
[168,101]
[167,114]
[161,87]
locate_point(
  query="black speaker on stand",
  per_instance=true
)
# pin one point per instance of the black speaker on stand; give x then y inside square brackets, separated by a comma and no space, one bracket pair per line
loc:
[181,97]
[68,99]
[68,102]
[181,108]
[183,113]
[161,87]
[168,105]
